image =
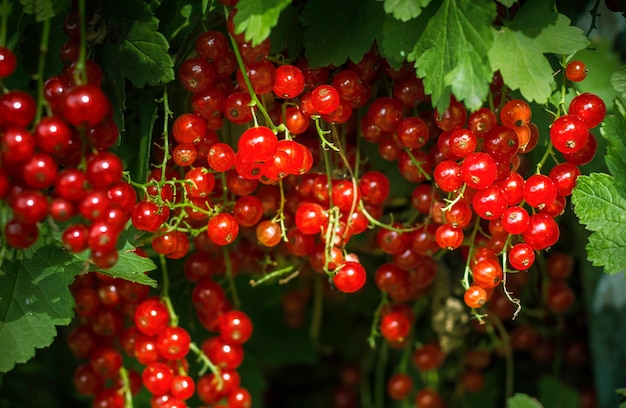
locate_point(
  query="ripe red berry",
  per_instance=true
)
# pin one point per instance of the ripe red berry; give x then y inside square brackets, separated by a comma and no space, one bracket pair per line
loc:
[85,105]
[235,327]
[289,82]
[8,62]
[350,277]
[223,229]
[325,99]
[151,317]
[576,71]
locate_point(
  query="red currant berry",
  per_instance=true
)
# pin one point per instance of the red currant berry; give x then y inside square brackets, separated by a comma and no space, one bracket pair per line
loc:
[350,277]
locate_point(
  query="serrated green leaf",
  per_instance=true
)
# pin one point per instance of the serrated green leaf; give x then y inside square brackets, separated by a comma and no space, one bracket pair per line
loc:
[521,66]
[601,207]
[445,55]
[398,39]
[618,80]
[34,298]
[613,130]
[405,10]
[257,18]
[346,32]
[135,46]
[554,393]
[519,48]
[522,401]
[44,9]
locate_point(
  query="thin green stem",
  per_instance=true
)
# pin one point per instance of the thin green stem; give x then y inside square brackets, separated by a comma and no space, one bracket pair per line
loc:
[43,51]
[466,273]
[167,113]
[379,375]
[374,332]
[253,96]
[456,199]
[280,214]
[206,364]
[418,164]
[515,301]
[80,74]
[276,274]
[165,288]
[128,395]
[322,134]
[377,223]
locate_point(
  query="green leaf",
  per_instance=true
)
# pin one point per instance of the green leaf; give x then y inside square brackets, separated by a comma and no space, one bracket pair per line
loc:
[346,32]
[257,18]
[287,35]
[554,393]
[601,207]
[135,46]
[519,48]
[178,19]
[398,39]
[405,10]
[44,9]
[34,298]
[135,151]
[507,3]
[522,401]
[445,55]
[613,130]
[618,80]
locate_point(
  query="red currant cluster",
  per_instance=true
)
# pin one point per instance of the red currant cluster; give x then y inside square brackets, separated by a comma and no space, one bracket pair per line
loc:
[58,164]
[106,306]
[293,180]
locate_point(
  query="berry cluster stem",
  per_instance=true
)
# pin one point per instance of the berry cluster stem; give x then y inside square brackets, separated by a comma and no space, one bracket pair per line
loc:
[128,396]
[255,102]
[81,73]
[206,363]
[165,289]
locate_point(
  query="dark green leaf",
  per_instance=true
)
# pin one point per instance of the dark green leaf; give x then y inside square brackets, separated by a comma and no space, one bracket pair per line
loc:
[287,35]
[613,130]
[34,298]
[130,266]
[178,19]
[114,85]
[405,10]
[137,137]
[44,9]
[522,401]
[398,39]
[135,46]
[445,55]
[601,207]
[518,49]
[257,18]
[554,393]
[346,32]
